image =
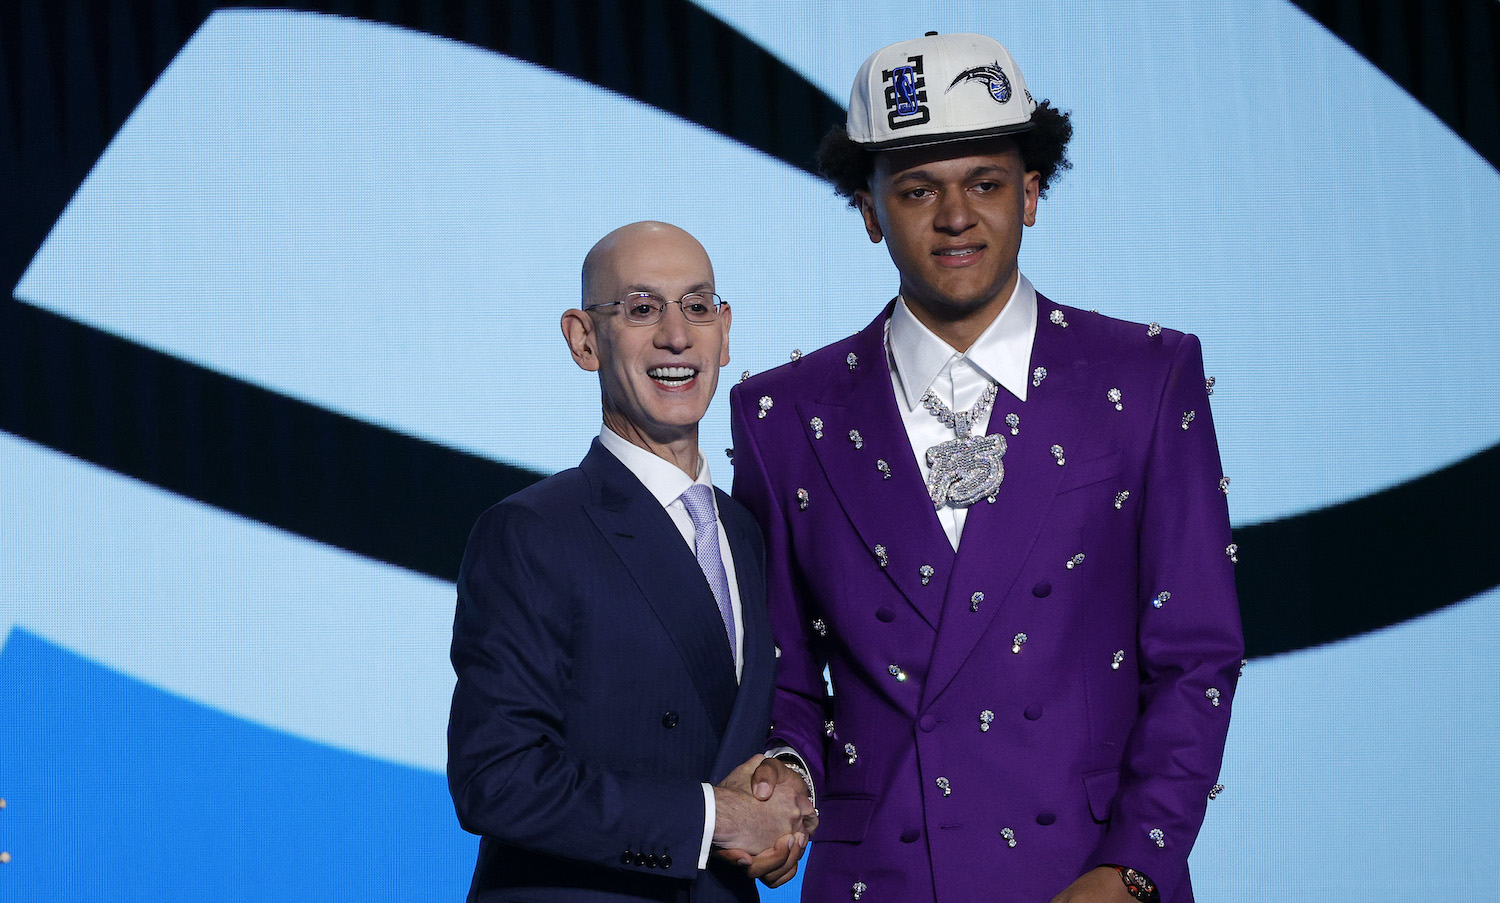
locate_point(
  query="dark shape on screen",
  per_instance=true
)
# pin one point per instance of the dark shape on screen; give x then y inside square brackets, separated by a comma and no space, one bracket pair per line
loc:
[72,72]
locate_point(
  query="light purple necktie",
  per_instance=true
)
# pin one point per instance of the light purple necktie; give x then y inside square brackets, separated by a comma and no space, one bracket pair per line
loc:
[699,501]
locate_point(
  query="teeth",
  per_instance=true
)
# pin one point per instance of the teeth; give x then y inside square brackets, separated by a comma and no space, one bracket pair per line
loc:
[957,252]
[671,372]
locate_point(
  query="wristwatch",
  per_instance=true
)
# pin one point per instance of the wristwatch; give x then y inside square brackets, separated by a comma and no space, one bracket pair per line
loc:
[1139,885]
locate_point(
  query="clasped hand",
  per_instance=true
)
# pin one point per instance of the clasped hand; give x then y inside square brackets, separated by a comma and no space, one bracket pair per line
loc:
[764,816]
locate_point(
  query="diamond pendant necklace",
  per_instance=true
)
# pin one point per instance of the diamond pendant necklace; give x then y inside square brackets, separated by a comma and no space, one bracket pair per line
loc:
[966,468]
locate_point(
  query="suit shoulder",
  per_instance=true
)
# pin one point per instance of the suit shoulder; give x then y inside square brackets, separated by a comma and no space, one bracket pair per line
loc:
[799,378]
[539,502]
[1114,338]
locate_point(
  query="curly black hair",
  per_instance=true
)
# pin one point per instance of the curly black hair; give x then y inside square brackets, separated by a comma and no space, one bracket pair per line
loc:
[1044,148]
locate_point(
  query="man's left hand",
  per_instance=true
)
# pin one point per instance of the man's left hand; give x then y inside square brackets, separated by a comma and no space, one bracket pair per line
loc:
[776,865]
[1100,885]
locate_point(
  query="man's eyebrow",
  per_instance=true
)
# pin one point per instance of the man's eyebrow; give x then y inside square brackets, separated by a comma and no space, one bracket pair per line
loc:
[922,175]
[652,290]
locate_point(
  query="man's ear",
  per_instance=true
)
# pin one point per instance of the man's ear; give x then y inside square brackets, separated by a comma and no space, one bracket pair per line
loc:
[724,325]
[1031,191]
[582,335]
[866,204]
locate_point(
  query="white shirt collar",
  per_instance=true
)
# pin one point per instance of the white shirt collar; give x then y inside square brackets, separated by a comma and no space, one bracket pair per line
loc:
[663,479]
[1002,352]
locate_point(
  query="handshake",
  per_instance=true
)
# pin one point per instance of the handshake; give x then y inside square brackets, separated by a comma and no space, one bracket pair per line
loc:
[764,815]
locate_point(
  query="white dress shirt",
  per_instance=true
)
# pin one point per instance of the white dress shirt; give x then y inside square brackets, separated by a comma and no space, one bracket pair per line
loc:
[920,361]
[666,482]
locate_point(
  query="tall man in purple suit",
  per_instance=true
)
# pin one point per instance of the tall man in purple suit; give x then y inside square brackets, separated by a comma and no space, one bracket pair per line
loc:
[998,522]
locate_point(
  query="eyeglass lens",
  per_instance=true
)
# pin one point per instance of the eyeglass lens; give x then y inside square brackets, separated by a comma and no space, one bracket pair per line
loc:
[700,308]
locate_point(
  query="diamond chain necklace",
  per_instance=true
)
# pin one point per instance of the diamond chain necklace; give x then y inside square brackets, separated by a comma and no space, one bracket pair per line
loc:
[961,422]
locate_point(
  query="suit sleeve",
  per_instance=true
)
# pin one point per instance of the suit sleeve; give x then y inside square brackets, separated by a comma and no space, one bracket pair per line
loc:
[798,711]
[1189,647]
[510,771]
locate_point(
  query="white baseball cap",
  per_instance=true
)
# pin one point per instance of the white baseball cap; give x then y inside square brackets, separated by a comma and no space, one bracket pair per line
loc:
[938,88]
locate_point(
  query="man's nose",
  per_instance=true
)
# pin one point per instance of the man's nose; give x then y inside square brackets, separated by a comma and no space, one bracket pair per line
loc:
[955,212]
[674,331]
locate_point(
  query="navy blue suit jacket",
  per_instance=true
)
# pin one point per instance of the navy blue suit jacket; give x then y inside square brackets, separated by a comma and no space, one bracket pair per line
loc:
[596,691]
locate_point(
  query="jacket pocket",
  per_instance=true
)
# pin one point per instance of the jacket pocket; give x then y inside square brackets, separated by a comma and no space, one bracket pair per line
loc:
[1101,787]
[1094,470]
[844,818]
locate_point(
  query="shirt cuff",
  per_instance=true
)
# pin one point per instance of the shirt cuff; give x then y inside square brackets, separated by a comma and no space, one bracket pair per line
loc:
[812,792]
[710,812]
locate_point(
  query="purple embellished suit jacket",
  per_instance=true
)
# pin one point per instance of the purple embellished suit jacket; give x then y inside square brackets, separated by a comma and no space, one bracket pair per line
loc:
[1010,721]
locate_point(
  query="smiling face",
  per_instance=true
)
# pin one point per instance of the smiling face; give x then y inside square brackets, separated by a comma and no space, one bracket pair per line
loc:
[655,381]
[951,216]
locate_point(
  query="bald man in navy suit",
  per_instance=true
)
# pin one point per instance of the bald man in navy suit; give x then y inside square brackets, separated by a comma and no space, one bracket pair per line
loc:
[614,658]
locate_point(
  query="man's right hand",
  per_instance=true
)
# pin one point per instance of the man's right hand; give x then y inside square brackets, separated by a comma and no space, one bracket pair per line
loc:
[764,835]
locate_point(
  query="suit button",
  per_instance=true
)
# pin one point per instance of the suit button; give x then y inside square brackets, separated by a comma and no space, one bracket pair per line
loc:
[1042,590]
[885,614]
[927,723]
[640,859]
[669,720]
[650,860]
[626,858]
[1045,818]
[665,861]
[911,835]
[1033,712]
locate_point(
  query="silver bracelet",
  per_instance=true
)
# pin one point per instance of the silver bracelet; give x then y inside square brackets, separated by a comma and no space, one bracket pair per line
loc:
[796,768]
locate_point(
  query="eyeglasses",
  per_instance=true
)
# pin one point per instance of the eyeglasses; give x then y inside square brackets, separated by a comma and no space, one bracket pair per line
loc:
[646,309]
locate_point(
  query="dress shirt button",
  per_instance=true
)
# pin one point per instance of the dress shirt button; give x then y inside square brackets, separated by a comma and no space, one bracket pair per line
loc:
[1033,712]
[885,614]
[669,720]
[1042,590]
[927,723]
[911,835]
[1045,818]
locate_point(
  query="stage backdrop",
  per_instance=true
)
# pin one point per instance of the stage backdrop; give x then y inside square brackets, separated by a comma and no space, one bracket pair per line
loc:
[280,319]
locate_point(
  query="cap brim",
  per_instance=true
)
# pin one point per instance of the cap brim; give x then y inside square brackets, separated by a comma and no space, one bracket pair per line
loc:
[906,141]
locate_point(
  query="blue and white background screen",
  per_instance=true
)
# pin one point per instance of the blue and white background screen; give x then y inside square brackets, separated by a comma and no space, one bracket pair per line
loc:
[239,240]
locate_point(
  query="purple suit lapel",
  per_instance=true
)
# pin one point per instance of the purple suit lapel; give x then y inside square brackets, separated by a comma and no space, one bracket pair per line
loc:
[998,538]
[896,513]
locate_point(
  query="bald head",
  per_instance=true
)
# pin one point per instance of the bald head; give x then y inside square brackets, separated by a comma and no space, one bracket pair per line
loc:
[607,267]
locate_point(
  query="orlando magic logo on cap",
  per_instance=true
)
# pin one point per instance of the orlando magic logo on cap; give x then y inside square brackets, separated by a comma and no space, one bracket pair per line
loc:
[992,76]
[985,93]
